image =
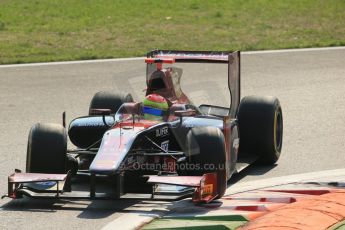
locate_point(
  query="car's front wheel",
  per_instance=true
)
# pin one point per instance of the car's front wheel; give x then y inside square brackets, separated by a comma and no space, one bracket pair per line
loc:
[206,154]
[47,149]
[261,128]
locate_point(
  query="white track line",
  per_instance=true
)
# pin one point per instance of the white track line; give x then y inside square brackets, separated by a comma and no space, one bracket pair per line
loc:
[293,50]
[326,175]
[141,58]
[73,62]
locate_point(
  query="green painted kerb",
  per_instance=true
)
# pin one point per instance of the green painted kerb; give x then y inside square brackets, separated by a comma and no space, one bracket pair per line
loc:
[338,226]
[201,222]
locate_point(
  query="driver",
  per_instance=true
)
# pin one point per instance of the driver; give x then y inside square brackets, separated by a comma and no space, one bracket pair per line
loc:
[155,107]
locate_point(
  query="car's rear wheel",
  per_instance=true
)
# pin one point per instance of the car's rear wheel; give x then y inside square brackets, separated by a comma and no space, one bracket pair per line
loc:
[261,128]
[206,154]
[47,149]
[109,100]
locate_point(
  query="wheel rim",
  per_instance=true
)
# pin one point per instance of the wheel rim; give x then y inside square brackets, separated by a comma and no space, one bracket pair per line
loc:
[278,130]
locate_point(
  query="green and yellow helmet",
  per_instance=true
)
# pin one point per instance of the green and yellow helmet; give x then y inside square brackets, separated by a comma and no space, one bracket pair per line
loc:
[155,107]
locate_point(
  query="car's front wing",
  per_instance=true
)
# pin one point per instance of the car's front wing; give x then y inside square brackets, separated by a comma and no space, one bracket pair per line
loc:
[58,186]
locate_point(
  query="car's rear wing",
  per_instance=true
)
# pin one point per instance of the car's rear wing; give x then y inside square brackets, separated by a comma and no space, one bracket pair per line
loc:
[222,57]
[191,56]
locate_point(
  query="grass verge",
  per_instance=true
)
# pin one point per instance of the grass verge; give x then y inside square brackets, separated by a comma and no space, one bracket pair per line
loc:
[51,30]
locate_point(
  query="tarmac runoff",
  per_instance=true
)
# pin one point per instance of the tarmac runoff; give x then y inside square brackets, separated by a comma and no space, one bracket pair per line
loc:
[304,201]
[237,188]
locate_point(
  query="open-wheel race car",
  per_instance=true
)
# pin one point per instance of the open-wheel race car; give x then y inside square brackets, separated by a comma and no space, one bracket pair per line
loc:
[164,147]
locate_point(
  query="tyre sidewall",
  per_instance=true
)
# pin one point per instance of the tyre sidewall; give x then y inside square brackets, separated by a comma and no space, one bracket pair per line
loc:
[46,149]
[206,147]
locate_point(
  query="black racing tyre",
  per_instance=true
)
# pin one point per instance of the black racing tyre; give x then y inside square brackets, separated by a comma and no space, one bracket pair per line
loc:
[47,149]
[109,100]
[261,128]
[206,153]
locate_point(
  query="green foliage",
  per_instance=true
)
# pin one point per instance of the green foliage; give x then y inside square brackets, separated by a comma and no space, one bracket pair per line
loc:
[52,30]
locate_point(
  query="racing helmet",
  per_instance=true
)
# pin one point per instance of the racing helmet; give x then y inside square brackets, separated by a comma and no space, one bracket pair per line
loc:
[155,107]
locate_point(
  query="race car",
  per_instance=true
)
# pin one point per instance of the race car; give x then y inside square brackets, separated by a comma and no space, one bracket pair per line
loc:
[164,147]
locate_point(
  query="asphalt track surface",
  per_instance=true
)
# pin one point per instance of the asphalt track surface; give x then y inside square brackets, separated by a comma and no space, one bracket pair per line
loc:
[310,85]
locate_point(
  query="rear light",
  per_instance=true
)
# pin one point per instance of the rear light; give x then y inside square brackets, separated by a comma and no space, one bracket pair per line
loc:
[160,60]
